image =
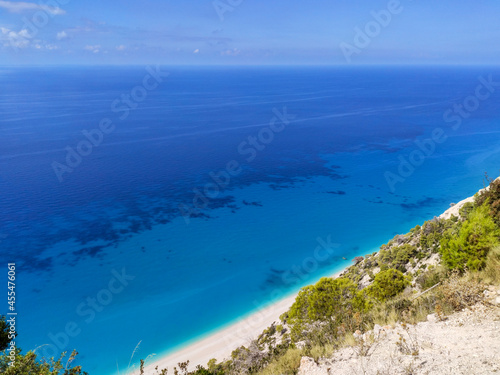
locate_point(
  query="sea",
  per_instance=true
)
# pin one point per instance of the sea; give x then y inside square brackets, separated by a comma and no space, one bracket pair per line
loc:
[146,207]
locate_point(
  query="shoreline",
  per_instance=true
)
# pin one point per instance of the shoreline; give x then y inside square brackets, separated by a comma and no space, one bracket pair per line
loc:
[220,343]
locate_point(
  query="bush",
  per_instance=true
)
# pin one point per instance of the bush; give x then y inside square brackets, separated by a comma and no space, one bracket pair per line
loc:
[432,233]
[4,333]
[247,360]
[491,272]
[431,277]
[491,198]
[388,284]
[29,364]
[470,246]
[288,364]
[466,210]
[398,256]
[330,302]
[460,292]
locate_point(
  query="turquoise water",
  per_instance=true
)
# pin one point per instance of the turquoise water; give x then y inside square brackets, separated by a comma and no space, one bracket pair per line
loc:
[315,194]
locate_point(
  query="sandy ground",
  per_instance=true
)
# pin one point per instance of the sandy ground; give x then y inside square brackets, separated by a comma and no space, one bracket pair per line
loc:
[220,344]
[466,343]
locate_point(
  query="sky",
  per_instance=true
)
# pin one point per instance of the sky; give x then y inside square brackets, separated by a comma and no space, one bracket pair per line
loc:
[249,32]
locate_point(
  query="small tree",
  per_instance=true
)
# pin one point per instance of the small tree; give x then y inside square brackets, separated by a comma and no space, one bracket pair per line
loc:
[491,197]
[4,334]
[328,304]
[357,260]
[387,284]
[476,237]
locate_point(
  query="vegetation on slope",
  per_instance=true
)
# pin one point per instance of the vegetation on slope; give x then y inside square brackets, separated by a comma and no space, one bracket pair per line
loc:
[467,244]
[333,303]
[29,364]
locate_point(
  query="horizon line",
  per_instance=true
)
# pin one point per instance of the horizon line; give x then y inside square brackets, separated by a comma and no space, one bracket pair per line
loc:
[357,65]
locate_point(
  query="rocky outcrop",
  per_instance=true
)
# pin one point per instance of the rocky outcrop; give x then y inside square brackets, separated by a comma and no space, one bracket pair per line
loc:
[467,342]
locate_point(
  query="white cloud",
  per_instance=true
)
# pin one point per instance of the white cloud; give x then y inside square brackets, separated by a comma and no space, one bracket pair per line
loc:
[121,48]
[94,49]
[20,6]
[23,39]
[24,33]
[231,52]
[41,45]
[196,51]
[61,35]
[14,39]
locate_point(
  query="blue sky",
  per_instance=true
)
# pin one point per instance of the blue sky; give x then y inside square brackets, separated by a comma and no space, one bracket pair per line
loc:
[256,32]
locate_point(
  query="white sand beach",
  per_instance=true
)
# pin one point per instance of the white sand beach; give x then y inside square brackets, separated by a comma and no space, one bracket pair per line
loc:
[220,344]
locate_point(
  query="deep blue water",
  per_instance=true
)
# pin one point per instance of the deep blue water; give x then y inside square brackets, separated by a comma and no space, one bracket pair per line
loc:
[321,176]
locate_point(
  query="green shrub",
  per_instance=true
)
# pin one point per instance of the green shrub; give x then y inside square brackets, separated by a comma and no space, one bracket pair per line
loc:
[4,333]
[29,364]
[415,229]
[398,256]
[431,277]
[491,273]
[470,246]
[332,302]
[388,284]
[432,233]
[288,364]
[491,197]
[466,210]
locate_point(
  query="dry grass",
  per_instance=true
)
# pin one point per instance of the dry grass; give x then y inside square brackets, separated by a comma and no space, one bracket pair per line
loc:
[407,343]
[287,364]
[321,351]
[386,316]
[364,347]
[401,309]
[460,292]
[491,273]
[424,306]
